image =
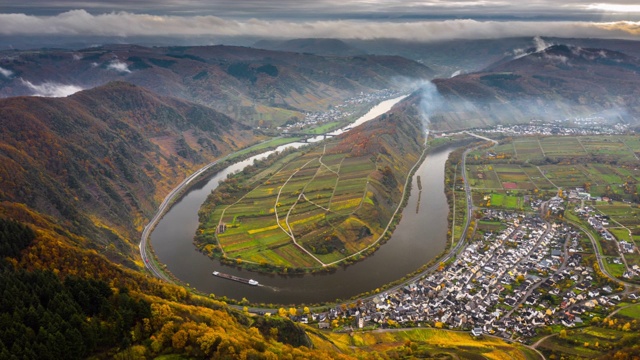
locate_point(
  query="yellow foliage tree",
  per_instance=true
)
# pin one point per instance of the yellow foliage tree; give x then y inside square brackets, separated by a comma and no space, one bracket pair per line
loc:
[179,339]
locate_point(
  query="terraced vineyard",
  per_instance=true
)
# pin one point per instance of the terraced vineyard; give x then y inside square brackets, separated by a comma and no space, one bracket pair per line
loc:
[304,214]
[316,207]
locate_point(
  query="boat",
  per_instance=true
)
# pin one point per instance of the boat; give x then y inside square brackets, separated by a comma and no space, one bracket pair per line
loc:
[236,278]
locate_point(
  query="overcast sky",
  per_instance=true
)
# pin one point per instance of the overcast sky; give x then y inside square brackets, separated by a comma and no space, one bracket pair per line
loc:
[416,20]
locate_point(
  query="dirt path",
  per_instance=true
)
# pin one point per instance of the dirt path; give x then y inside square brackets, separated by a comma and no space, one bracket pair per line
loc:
[537,343]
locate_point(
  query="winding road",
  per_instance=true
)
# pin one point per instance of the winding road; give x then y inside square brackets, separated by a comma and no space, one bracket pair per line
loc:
[144,246]
[145,250]
[629,285]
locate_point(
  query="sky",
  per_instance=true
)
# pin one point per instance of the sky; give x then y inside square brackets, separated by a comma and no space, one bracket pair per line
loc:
[360,19]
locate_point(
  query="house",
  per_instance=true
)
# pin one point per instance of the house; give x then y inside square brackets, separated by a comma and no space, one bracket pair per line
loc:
[477,332]
[324,325]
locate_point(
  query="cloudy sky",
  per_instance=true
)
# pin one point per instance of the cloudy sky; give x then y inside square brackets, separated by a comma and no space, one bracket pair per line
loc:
[415,20]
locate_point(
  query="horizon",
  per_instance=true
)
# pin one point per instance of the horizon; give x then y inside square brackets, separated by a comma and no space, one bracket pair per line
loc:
[205,23]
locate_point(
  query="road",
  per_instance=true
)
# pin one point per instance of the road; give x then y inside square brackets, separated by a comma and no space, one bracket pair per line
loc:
[155,269]
[599,257]
[144,246]
[462,241]
[145,251]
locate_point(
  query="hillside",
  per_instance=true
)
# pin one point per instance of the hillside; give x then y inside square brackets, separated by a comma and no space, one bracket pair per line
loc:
[311,46]
[557,83]
[71,169]
[252,86]
[99,162]
[308,210]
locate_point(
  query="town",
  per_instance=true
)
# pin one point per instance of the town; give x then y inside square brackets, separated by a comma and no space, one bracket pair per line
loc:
[529,275]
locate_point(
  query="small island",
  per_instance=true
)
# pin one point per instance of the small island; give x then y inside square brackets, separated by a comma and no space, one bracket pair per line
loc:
[311,209]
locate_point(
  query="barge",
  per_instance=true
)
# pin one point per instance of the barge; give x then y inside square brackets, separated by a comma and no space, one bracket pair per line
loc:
[235,278]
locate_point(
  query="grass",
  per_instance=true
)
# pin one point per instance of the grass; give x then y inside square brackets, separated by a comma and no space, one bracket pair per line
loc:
[632,312]
[615,269]
[620,233]
[505,201]
[324,128]
[430,343]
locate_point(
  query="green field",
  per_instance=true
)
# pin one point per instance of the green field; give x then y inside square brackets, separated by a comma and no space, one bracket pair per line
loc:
[604,165]
[624,214]
[535,149]
[483,177]
[506,201]
[632,312]
[617,335]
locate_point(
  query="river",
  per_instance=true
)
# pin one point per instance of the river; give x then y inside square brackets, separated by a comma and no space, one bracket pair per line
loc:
[418,238]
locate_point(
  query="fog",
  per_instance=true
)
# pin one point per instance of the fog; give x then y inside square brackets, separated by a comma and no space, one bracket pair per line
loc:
[118,66]
[50,89]
[124,24]
[6,72]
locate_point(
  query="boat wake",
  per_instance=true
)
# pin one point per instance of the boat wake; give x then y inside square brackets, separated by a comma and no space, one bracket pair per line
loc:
[236,278]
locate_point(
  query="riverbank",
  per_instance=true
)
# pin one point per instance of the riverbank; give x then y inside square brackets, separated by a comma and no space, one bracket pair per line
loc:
[313,209]
[173,246]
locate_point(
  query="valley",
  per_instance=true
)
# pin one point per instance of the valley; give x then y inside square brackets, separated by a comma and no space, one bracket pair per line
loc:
[499,204]
[311,209]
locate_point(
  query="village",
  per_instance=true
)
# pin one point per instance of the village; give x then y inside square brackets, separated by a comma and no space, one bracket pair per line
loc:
[529,275]
[557,128]
[338,112]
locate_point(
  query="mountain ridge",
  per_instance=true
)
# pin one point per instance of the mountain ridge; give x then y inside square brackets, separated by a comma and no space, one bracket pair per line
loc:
[253,86]
[105,155]
[556,83]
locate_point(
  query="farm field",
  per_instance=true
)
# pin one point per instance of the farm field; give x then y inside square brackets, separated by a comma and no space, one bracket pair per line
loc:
[506,201]
[483,177]
[309,209]
[534,149]
[603,165]
[314,200]
[624,214]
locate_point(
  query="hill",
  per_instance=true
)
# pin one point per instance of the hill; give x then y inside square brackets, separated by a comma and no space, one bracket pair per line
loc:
[100,161]
[447,57]
[78,176]
[252,86]
[310,209]
[312,46]
[557,83]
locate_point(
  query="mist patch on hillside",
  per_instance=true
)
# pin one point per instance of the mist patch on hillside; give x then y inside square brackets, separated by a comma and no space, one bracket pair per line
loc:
[119,66]
[51,89]
[6,72]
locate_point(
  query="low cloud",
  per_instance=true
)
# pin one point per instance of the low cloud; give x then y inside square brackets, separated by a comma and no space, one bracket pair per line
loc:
[6,72]
[51,89]
[119,66]
[123,24]
[540,43]
[431,102]
[556,58]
